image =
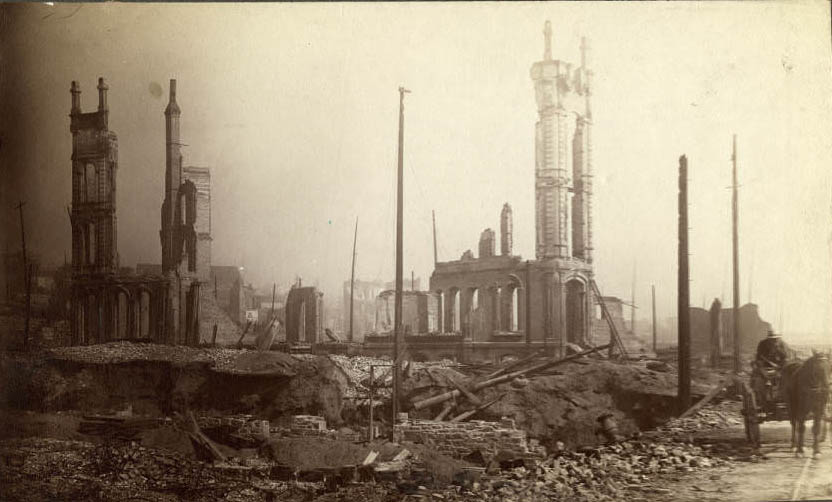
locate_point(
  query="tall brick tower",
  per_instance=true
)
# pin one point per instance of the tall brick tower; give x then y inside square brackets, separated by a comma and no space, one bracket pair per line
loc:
[94,167]
[562,148]
[179,237]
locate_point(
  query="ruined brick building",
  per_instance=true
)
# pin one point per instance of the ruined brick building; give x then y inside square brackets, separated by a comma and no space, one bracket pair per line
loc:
[185,233]
[161,306]
[105,305]
[500,304]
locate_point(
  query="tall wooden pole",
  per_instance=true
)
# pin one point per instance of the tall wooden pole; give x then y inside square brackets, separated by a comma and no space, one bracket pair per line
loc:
[274,288]
[352,280]
[633,302]
[433,217]
[653,295]
[26,277]
[736,258]
[397,331]
[684,290]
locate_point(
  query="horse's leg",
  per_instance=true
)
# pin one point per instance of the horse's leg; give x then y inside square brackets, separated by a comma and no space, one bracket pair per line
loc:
[801,430]
[817,423]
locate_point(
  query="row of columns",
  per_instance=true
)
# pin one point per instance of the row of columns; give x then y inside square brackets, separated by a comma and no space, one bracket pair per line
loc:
[502,309]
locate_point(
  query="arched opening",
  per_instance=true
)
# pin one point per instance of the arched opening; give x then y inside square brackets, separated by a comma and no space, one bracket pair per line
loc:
[302,322]
[121,315]
[575,311]
[514,325]
[453,322]
[475,299]
[144,314]
[190,245]
[90,242]
[496,307]
[91,318]
[90,185]
[439,325]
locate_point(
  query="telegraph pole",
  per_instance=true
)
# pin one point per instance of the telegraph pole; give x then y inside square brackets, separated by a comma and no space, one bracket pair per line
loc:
[397,330]
[653,294]
[26,278]
[736,258]
[352,280]
[683,306]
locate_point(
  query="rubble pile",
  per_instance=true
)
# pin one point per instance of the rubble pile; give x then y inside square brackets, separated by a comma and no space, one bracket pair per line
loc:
[121,352]
[50,469]
[608,473]
[712,417]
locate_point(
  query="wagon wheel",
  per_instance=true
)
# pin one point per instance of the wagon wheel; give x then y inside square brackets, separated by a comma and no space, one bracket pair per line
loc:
[751,416]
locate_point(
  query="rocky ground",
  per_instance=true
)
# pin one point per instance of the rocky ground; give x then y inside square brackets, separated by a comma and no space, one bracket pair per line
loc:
[639,468]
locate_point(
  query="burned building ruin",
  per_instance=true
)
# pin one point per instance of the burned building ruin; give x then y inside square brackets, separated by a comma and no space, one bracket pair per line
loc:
[107,305]
[501,304]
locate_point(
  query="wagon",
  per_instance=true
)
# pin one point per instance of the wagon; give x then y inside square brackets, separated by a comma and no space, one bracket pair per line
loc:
[762,401]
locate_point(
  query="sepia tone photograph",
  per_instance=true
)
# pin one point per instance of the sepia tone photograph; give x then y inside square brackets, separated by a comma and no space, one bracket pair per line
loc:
[394,251]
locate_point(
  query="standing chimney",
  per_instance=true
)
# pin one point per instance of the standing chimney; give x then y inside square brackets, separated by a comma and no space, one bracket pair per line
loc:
[102,95]
[75,89]
[506,230]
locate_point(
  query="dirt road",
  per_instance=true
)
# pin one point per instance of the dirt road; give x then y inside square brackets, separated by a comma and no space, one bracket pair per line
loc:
[779,476]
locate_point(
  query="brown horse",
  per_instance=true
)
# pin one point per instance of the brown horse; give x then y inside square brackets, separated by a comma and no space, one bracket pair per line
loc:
[805,387]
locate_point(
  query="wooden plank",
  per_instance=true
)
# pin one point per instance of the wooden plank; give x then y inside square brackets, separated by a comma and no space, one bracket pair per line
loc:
[716,389]
[441,398]
[470,413]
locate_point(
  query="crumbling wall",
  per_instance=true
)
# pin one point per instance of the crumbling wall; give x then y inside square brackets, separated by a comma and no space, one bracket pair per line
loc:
[460,439]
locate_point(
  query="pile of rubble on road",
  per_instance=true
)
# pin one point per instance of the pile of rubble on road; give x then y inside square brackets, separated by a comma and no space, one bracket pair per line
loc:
[712,417]
[120,352]
[607,473]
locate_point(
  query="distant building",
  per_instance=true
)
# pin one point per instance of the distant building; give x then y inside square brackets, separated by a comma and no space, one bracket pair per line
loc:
[420,312]
[364,304]
[304,316]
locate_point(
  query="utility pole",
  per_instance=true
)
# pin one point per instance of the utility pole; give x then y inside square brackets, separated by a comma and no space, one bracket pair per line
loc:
[683,306]
[397,331]
[274,286]
[26,278]
[633,302]
[352,280]
[433,217]
[653,295]
[736,258]
[412,280]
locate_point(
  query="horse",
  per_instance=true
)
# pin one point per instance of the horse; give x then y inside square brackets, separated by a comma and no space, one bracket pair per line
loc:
[805,387]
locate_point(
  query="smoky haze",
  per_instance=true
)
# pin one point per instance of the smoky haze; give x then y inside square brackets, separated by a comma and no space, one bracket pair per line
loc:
[295,108]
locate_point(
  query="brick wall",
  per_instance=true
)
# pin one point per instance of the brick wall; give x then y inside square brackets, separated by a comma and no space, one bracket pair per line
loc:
[459,439]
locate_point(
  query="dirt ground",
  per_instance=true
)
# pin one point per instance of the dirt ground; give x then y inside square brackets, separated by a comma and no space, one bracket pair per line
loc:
[780,475]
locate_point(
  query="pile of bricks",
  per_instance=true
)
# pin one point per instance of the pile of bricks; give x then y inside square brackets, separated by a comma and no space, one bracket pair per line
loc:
[308,425]
[459,439]
[312,426]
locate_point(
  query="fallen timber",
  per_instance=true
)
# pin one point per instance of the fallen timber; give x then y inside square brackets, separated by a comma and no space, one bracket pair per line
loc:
[441,398]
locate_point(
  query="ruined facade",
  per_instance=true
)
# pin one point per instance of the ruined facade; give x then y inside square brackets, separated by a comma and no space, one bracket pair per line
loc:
[420,312]
[304,316]
[184,234]
[105,305]
[503,305]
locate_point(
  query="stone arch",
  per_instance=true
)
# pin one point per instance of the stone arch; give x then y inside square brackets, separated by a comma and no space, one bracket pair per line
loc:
[143,301]
[440,319]
[122,310]
[452,323]
[90,183]
[575,291]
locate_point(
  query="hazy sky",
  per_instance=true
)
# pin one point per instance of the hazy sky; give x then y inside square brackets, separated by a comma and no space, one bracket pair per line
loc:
[294,108]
